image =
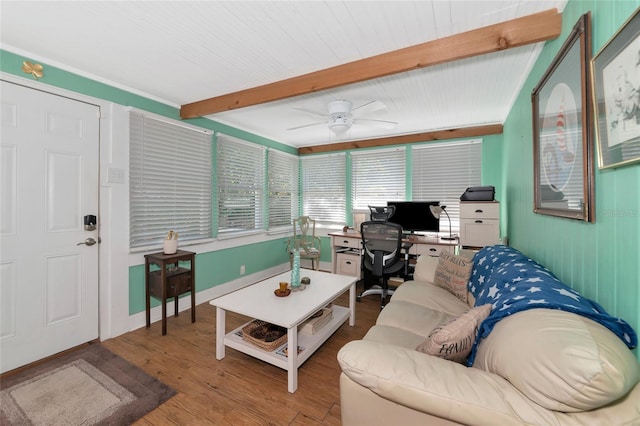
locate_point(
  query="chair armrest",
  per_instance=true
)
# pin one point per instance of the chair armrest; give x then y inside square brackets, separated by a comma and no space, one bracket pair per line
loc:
[436,386]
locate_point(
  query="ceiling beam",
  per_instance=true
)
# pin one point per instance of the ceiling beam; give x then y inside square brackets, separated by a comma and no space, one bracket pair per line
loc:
[436,135]
[529,29]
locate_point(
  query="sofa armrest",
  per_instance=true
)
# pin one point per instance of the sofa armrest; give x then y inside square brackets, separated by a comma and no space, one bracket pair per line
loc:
[436,386]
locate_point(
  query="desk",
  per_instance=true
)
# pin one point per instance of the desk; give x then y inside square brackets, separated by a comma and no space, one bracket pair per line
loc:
[170,280]
[346,248]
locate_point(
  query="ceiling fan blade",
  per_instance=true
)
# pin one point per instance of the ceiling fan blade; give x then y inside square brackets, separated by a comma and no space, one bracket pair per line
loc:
[369,107]
[377,123]
[311,112]
[307,125]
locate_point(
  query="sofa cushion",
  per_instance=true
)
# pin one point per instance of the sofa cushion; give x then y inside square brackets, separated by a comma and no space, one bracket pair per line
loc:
[425,269]
[453,274]
[393,336]
[429,296]
[560,360]
[411,317]
[453,340]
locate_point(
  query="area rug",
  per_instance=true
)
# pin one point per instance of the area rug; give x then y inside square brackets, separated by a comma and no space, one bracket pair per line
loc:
[89,386]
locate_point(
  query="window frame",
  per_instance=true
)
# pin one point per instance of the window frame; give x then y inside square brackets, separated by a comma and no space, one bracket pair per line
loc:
[318,180]
[170,181]
[275,178]
[367,186]
[246,161]
[443,170]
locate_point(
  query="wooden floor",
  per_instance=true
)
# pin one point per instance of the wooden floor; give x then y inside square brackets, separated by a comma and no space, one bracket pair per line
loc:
[238,390]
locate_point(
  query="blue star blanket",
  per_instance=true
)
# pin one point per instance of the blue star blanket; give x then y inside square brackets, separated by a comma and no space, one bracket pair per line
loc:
[512,282]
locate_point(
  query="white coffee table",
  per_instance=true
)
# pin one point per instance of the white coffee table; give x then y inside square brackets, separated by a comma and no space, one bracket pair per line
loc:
[258,301]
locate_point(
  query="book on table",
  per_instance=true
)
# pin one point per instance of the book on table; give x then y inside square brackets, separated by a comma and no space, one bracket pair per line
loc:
[317,321]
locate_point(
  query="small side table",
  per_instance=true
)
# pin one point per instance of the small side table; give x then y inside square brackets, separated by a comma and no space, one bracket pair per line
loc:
[171,280]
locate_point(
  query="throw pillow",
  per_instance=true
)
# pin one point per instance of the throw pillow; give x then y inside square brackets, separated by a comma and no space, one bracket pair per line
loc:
[453,340]
[453,274]
[425,268]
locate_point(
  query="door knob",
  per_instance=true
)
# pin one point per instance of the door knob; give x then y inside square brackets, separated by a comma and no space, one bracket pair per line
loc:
[88,241]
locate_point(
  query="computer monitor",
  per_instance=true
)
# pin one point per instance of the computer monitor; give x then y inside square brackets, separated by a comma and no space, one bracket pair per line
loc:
[415,216]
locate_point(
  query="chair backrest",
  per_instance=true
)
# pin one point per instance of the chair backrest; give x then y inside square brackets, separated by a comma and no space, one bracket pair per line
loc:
[381,213]
[301,226]
[301,233]
[382,243]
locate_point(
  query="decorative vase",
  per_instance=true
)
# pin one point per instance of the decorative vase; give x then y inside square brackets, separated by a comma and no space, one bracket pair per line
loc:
[295,270]
[170,246]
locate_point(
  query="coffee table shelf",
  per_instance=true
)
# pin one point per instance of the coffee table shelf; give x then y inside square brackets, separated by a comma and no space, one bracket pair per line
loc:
[310,342]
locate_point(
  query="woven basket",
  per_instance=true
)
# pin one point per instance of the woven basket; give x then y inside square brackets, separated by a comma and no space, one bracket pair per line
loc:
[264,335]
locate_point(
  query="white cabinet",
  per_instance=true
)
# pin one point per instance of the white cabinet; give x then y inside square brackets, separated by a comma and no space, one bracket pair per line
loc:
[479,223]
[430,249]
[348,263]
[346,254]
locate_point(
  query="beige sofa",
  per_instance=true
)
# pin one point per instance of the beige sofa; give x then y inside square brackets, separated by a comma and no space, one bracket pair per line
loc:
[536,367]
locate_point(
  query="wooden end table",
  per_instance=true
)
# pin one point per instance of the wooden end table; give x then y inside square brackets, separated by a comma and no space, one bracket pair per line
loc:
[170,280]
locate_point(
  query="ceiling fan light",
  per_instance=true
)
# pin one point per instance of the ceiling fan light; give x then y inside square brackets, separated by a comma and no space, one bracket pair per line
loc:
[340,125]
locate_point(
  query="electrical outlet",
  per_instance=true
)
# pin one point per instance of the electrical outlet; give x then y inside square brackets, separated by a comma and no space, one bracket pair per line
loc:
[242,270]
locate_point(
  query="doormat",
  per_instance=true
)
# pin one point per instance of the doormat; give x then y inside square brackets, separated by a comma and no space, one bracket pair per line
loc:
[89,386]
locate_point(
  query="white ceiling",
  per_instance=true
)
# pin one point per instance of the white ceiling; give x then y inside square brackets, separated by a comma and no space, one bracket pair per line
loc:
[180,52]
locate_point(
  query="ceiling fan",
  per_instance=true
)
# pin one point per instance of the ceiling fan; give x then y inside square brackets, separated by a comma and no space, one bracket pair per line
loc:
[341,116]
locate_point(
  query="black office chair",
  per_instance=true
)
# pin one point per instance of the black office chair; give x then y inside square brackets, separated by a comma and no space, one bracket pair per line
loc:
[383,256]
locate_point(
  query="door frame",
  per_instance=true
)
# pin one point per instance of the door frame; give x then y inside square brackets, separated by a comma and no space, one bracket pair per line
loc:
[113,279]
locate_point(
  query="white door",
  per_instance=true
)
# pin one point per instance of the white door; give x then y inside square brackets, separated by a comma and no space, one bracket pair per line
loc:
[48,182]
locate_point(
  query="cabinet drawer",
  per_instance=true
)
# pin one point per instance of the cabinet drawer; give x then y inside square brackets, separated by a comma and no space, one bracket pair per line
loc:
[178,282]
[479,232]
[479,210]
[348,264]
[428,249]
[347,242]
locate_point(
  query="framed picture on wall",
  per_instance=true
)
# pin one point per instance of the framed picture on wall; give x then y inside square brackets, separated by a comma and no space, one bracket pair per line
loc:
[562,138]
[616,96]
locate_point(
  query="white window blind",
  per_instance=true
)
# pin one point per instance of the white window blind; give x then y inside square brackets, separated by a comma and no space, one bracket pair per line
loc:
[170,185]
[283,188]
[377,176]
[240,172]
[442,172]
[324,188]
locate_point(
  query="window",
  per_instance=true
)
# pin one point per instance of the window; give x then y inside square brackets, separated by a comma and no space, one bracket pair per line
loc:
[324,188]
[170,184]
[377,177]
[283,188]
[240,172]
[442,172]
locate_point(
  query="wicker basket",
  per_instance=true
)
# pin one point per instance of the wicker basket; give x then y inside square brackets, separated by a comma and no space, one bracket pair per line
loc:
[264,335]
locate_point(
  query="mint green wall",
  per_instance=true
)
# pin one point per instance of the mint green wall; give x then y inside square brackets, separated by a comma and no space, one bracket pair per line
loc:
[601,259]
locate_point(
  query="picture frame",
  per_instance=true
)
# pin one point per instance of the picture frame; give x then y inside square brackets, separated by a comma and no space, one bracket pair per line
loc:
[563,160]
[615,75]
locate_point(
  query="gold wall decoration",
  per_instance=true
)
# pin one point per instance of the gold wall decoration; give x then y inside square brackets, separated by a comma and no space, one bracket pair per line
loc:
[34,69]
